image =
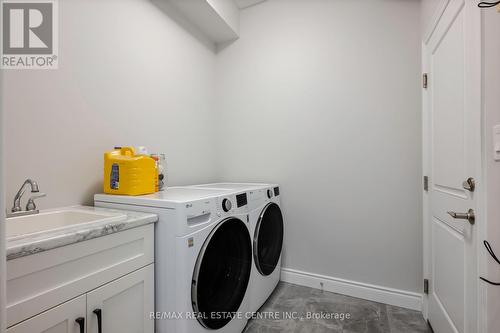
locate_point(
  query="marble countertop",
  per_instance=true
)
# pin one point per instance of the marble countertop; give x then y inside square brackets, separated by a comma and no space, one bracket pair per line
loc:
[28,244]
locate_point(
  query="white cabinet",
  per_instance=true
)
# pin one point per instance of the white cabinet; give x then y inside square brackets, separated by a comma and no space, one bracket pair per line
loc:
[48,291]
[124,305]
[121,306]
[68,317]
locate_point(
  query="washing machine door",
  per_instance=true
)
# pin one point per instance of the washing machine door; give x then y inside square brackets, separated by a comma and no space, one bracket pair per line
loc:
[221,273]
[268,239]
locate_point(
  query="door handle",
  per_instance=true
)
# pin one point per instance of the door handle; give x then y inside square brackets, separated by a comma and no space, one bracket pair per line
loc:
[81,321]
[469,184]
[98,313]
[469,216]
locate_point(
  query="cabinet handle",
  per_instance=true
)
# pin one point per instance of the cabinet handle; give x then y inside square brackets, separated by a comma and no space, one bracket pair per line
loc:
[81,321]
[98,313]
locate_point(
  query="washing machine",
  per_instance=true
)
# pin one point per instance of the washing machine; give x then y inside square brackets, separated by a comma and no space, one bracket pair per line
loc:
[267,229]
[203,257]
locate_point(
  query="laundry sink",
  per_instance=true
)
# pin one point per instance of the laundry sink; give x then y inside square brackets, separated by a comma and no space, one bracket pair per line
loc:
[56,220]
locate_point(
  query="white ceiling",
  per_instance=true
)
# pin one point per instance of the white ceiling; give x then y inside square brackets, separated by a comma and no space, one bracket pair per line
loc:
[247,3]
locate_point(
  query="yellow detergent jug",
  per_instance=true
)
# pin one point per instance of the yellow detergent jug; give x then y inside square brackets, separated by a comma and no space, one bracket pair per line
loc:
[126,173]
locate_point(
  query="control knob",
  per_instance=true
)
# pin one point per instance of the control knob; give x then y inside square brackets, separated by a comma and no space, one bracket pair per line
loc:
[227,205]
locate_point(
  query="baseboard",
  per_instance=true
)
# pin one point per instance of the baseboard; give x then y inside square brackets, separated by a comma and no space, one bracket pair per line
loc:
[401,298]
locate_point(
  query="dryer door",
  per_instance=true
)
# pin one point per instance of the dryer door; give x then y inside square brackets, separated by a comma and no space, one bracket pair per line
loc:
[268,239]
[221,274]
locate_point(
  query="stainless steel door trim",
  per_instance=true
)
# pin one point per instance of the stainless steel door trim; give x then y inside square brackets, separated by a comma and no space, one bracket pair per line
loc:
[199,260]
[256,239]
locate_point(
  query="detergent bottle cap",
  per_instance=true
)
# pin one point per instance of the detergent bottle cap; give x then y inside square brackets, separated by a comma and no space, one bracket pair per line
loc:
[141,150]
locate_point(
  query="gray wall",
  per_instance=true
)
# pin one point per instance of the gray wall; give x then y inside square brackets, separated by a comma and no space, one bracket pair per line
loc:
[320,96]
[323,97]
[128,75]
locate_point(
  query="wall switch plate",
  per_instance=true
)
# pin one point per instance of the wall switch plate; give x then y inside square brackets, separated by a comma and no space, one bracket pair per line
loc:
[496,143]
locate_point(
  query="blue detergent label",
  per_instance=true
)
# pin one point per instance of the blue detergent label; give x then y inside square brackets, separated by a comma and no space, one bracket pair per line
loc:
[115,177]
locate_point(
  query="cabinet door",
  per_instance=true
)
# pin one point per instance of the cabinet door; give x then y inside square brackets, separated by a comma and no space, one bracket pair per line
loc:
[61,319]
[123,305]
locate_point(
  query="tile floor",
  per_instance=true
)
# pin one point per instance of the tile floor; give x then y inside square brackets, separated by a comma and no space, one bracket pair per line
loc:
[365,316]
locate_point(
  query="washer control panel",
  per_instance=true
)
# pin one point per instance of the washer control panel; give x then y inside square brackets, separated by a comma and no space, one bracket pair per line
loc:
[241,200]
[231,204]
[226,205]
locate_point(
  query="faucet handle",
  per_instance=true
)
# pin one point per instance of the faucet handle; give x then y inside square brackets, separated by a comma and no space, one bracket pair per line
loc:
[30,205]
[17,199]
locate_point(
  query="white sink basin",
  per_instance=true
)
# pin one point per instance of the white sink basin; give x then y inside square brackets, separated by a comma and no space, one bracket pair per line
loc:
[55,220]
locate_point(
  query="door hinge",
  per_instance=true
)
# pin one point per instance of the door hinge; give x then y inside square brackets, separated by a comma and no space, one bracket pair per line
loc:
[426,286]
[426,183]
[425,80]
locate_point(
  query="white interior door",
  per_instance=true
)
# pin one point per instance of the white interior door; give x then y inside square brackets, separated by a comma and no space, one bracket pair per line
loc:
[454,155]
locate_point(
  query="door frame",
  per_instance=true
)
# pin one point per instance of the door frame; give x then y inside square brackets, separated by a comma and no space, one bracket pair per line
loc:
[3,263]
[475,73]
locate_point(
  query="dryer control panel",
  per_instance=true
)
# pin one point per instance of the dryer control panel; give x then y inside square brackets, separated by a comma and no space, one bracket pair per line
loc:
[258,198]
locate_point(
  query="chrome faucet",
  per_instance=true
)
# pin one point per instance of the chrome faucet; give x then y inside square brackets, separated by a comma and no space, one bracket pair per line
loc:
[30,206]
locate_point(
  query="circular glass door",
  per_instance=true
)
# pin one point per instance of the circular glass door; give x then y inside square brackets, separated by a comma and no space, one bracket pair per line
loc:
[221,274]
[268,239]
